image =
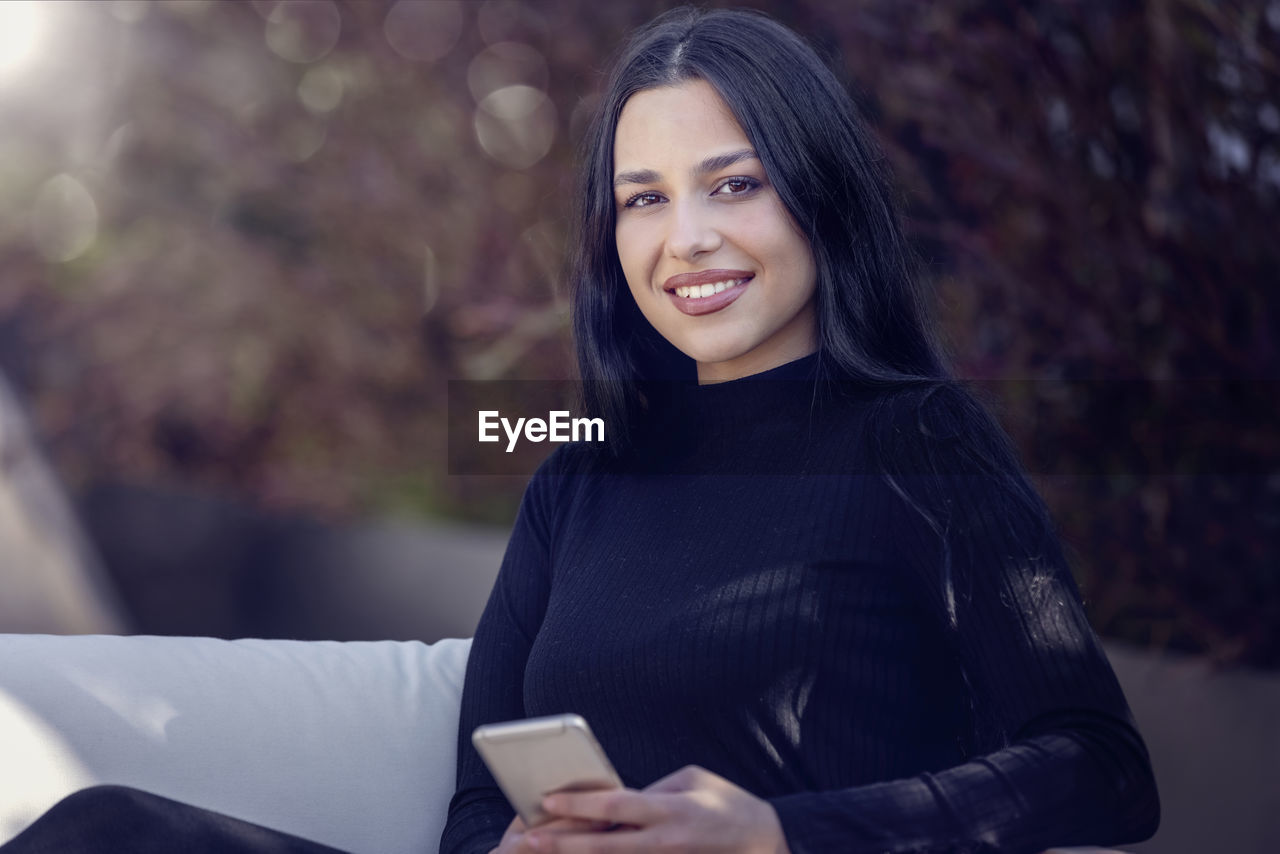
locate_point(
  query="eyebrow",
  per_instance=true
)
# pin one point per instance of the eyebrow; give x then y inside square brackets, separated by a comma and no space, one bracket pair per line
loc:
[712,164]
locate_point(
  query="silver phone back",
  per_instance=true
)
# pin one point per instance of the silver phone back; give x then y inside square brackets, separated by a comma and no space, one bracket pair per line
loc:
[532,758]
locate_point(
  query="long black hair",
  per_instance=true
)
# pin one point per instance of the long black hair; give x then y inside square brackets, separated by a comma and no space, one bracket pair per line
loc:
[873,326]
[872,322]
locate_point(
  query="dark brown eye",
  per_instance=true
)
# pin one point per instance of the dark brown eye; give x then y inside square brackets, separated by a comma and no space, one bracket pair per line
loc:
[642,200]
[737,186]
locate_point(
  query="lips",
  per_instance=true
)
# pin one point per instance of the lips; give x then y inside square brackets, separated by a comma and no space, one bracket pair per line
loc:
[721,287]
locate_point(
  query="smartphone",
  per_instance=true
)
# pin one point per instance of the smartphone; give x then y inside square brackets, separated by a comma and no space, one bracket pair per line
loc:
[535,757]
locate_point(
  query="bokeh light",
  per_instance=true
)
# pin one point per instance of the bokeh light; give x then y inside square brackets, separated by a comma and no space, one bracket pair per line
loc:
[516,125]
[505,64]
[321,89]
[423,32]
[303,31]
[22,26]
[236,84]
[64,219]
[301,140]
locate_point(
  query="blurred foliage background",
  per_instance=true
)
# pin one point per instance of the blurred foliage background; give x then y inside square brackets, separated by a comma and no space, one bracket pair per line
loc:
[244,246]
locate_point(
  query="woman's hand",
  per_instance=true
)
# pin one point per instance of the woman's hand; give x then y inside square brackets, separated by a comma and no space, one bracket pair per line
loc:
[512,839]
[691,810]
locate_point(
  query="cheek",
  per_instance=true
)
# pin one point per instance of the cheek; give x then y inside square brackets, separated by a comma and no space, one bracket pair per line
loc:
[801,255]
[635,254]
[783,246]
[766,232]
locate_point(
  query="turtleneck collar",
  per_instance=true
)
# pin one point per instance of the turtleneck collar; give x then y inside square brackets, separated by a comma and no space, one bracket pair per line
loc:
[730,426]
[772,394]
[804,368]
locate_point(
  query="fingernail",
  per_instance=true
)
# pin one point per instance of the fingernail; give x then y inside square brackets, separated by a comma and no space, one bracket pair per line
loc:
[551,803]
[537,843]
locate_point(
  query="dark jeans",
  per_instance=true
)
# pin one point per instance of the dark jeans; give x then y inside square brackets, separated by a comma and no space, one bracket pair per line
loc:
[118,818]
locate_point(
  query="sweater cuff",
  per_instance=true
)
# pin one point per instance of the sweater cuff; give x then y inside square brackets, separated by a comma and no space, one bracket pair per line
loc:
[856,821]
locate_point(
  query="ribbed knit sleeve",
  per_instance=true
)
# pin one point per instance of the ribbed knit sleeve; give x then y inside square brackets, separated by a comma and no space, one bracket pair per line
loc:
[493,688]
[1055,759]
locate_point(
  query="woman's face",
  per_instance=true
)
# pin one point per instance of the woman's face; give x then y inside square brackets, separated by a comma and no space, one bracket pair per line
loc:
[710,253]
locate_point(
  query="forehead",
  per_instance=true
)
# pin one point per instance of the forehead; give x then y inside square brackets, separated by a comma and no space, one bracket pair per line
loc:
[674,124]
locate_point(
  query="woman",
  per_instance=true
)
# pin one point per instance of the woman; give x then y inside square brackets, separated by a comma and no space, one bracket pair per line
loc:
[837,619]
[806,599]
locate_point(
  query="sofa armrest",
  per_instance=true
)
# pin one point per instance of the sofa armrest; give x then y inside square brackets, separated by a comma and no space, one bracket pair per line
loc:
[350,744]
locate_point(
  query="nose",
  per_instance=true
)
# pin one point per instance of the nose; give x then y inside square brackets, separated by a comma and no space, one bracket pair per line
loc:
[692,232]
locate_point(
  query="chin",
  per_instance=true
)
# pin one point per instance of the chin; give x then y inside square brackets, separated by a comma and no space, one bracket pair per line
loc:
[710,348]
[712,355]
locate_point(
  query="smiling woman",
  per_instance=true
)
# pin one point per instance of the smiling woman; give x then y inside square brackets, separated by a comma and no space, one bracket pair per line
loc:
[690,187]
[806,597]
[804,593]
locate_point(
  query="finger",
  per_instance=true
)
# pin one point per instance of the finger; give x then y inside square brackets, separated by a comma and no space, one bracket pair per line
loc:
[617,842]
[688,777]
[571,825]
[616,806]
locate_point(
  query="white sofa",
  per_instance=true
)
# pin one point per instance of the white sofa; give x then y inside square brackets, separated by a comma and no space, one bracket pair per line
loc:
[350,744]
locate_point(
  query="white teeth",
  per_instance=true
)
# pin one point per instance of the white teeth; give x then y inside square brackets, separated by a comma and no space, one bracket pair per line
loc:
[700,291]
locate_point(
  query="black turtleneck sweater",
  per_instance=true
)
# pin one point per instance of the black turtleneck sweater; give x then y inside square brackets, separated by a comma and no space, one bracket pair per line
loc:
[850,604]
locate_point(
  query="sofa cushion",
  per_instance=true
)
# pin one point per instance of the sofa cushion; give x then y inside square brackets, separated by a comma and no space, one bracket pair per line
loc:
[350,744]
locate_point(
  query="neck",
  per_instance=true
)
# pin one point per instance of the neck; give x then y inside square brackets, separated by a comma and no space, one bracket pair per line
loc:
[710,373]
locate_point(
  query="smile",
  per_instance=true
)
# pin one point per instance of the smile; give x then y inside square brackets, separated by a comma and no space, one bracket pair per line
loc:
[704,298]
[700,291]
